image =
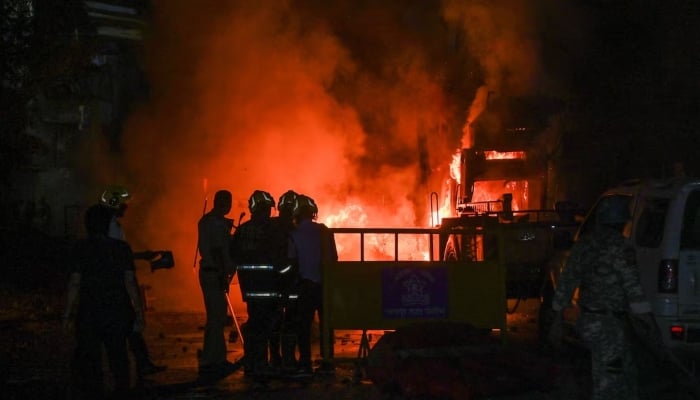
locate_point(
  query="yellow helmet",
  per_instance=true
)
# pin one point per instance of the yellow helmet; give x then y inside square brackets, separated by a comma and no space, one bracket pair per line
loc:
[114,196]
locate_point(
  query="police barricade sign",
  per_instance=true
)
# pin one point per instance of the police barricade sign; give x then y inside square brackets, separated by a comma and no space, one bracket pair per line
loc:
[386,295]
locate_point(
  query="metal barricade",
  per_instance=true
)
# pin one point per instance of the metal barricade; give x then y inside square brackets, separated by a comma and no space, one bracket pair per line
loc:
[365,293]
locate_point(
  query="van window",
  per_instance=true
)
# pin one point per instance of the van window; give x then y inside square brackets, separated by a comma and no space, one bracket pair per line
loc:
[652,218]
[590,221]
[690,234]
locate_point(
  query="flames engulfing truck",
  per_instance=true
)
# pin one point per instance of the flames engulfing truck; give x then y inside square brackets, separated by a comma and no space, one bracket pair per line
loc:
[535,238]
[469,256]
[506,182]
[498,215]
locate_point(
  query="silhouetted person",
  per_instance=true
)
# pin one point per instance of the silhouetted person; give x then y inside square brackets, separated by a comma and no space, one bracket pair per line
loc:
[216,270]
[315,247]
[115,199]
[104,304]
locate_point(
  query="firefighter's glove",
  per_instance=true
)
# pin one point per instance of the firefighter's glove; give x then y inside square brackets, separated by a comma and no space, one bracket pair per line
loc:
[555,334]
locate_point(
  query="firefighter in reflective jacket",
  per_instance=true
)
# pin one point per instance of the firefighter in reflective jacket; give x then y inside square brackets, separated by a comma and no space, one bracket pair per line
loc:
[259,249]
[289,286]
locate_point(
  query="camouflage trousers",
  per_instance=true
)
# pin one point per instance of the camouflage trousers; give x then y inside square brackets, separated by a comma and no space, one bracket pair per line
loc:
[613,372]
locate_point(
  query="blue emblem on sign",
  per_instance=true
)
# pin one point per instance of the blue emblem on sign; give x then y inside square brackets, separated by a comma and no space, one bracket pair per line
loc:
[414,293]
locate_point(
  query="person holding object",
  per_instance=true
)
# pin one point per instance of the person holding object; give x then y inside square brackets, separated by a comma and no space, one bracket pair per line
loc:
[216,270]
[115,199]
[604,269]
[103,305]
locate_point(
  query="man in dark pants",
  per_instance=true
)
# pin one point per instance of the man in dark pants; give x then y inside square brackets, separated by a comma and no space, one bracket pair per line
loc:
[259,249]
[315,247]
[216,270]
[115,198]
[103,288]
[284,334]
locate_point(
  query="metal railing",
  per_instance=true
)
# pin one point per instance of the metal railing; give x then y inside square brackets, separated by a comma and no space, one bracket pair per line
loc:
[431,233]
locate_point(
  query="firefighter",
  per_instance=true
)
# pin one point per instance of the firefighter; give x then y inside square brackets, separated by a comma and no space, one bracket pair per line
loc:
[216,269]
[259,249]
[603,267]
[290,280]
[314,247]
[103,288]
[115,198]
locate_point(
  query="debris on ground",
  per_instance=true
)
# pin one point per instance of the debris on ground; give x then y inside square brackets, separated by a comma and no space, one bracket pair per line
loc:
[457,361]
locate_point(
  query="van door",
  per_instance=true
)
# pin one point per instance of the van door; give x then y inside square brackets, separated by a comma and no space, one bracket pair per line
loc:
[649,227]
[689,258]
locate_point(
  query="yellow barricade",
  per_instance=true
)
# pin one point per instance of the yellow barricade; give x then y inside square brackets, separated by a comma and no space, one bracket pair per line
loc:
[386,295]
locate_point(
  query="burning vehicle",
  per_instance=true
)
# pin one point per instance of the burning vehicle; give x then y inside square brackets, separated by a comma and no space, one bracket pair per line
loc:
[534,236]
[495,210]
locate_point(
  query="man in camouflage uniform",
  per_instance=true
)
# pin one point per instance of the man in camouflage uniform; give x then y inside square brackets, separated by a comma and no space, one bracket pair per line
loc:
[604,269]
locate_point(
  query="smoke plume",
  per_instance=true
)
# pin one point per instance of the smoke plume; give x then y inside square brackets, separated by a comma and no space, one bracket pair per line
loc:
[359,105]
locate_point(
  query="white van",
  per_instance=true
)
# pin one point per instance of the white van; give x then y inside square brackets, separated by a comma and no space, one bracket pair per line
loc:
[665,233]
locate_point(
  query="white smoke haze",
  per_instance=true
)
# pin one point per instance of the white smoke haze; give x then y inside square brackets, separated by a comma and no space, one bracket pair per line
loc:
[345,103]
